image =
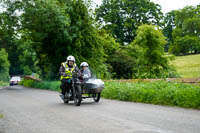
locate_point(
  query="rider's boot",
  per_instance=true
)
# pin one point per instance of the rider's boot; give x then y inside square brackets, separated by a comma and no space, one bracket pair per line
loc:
[62,96]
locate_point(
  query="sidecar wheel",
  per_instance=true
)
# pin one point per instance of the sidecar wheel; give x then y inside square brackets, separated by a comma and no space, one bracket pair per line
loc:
[97,97]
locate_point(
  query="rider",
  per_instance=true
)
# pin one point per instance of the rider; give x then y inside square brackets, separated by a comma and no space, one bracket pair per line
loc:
[85,71]
[66,70]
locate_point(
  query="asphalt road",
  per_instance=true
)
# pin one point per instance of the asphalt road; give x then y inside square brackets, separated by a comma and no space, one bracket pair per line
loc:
[28,110]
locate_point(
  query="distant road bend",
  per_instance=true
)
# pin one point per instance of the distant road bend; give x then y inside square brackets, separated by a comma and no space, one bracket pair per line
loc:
[29,110]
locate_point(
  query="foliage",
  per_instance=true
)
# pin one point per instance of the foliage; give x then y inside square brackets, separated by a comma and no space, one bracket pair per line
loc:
[38,35]
[3,83]
[51,30]
[185,45]
[13,39]
[122,63]
[8,22]
[49,85]
[187,66]
[186,34]
[123,17]
[27,83]
[4,65]
[151,62]
[163,93]
[27,56]
[169,21]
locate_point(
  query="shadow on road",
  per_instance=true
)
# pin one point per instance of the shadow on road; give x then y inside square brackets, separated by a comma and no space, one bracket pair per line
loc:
[71,104]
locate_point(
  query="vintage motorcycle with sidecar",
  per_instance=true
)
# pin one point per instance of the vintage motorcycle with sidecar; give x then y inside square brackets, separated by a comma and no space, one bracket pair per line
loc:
[87,88]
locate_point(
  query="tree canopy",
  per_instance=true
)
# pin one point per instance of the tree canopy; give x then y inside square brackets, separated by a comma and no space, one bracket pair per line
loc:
[186,34]
[151,62]
[123,17]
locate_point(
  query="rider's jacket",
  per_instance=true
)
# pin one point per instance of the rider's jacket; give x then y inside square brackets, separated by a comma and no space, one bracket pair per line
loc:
[66,71]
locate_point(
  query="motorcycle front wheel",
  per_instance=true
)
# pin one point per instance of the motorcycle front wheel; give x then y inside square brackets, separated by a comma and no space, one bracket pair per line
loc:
[78,96]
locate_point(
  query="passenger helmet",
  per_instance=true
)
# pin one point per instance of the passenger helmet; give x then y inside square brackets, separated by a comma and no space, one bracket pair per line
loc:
[84,64]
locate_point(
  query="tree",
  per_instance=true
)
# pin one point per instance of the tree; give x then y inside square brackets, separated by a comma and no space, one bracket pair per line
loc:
[186,34]
[122,17]
[122,63]
[186,45]
[4,65]
[169,22]
[8,26]
[152,63]
[51,30]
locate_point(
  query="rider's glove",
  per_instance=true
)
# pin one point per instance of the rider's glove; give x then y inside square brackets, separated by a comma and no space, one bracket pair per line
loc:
[68,81]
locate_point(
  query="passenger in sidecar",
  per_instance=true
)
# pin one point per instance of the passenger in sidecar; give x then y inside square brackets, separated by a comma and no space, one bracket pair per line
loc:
[91,86]
[85,71]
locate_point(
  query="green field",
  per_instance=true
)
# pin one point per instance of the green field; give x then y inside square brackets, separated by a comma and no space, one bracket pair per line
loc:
[188,66]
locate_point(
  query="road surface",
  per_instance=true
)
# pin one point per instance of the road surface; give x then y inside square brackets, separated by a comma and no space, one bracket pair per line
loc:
[28,110]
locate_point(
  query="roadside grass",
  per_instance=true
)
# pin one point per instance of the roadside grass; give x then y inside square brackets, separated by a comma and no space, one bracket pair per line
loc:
[1,116]
[159,92]
[2,83]
[47,85]
[187,66]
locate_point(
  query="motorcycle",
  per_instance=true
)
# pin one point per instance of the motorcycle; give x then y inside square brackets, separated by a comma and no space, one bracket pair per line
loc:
[75,92]
[88,88]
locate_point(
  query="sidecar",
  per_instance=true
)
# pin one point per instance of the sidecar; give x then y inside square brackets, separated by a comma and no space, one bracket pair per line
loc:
[93,87]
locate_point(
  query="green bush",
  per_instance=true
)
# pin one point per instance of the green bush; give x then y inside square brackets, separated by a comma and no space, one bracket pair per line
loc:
[48,85]
[3,83]
[175,94]
[27,83]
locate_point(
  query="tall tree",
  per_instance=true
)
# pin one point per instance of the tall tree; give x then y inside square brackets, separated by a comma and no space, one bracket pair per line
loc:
[123,17]
[169,25]
[151,61]
[187,31]
[8,30]
[54,29]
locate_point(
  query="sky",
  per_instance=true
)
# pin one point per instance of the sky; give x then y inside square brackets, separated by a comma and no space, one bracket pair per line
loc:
[168,5]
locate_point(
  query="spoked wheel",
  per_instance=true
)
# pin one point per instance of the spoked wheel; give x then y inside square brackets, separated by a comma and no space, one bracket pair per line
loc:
[78,96]
[96,97]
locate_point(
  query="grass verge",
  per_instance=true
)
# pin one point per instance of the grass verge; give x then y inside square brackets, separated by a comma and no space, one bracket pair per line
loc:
[2,84]
[187,66]
[47,85]
[159,92]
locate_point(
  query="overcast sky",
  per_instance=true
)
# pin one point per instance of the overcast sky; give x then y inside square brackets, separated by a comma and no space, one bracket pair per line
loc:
[168,5]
